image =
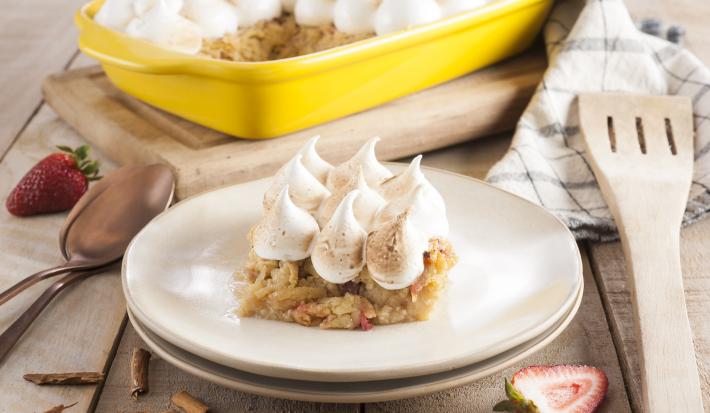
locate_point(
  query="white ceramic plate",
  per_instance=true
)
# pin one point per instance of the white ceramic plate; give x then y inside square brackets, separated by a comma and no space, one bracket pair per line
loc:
[337,392]
[518,274]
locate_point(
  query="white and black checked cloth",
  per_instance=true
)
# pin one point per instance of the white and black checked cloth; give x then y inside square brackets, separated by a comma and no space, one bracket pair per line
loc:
[593,46]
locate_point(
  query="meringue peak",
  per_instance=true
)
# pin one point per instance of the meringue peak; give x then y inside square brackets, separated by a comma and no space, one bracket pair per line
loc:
[365,158]
[215,17]
[425,212]
[339,251]
[405,181]
[313,162]
[141,7]
[395,15]
[366,206]
[166,28]
[395,253]
[355,16]
[115,14]
[306,190]
[253,11]
[286,232]
[314,12]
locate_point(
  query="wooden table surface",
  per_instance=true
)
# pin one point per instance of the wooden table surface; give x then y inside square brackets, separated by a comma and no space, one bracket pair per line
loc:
[85,328]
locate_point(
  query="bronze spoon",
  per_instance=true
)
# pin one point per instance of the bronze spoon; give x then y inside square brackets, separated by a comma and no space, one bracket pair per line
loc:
[112,217]
[100,232]
[96,189]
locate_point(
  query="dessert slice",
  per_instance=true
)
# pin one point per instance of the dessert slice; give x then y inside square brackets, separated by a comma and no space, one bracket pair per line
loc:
[333,273]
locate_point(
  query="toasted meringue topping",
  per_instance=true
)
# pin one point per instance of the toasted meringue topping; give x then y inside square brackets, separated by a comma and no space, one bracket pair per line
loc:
[115,14]
[306,191]
[166,28]
[395,253]
[313,162]
[366,206]
[141,7]
[215,17]
[339,251]
[399,230]
[355,16]
[366,159]
[314,12]
[451,7]
[425,212]
[252,11]
[395,15]
[410,178]
[286,232]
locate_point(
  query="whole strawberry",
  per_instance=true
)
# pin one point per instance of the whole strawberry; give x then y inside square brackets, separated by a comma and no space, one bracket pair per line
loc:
[55,184]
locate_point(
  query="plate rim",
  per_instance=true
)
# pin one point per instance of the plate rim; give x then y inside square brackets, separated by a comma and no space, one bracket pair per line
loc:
[517,354]
[324,374]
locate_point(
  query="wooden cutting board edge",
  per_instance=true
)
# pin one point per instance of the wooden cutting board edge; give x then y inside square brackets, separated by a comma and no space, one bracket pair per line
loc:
[129,132]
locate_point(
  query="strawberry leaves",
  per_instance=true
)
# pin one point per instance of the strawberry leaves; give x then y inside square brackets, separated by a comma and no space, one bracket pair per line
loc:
[516,402]
[88,167]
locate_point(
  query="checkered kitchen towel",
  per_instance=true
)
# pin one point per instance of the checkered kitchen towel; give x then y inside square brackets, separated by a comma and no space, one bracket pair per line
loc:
[593,46]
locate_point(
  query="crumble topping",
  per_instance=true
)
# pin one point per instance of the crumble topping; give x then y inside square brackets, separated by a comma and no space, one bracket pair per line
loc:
[276,39]
[292,291]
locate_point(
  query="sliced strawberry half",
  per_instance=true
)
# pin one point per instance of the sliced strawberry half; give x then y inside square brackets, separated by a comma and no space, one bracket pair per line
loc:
[555,389]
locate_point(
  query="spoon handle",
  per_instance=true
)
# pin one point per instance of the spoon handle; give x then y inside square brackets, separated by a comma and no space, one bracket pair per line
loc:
[33,279]
[15,331]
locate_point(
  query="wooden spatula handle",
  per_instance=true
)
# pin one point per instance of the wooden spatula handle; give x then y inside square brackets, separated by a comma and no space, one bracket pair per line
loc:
[669,371]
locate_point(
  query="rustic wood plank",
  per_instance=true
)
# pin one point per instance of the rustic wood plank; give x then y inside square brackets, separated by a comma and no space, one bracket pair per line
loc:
[487,101]
[585,341]
[610,269]
[166,380]
[37,38]
[691,14]
[77,331]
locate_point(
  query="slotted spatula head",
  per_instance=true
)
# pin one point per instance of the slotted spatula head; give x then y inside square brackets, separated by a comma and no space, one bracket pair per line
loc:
[641,151]
[636,141]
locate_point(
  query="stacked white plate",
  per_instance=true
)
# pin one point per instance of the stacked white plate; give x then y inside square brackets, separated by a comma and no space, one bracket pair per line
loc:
[517,285]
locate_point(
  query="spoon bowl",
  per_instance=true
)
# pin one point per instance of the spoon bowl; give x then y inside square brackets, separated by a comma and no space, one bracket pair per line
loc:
[96,189]
[103,226]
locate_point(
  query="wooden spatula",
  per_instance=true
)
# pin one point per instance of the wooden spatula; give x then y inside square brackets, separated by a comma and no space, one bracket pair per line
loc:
[641,151]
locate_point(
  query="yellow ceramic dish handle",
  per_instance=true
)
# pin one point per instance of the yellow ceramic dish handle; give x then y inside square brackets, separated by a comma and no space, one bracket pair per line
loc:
[156,67]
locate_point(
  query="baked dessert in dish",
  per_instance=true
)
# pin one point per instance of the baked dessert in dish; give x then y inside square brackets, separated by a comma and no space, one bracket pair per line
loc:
[346,247]
[259,30]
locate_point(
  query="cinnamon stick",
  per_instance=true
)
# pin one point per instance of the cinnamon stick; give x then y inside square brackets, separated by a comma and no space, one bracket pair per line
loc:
[188,403]
[139,371]
[81,377]
[60,408]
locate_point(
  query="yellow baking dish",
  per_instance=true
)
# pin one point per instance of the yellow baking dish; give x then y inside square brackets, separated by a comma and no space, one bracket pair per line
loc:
[268,99]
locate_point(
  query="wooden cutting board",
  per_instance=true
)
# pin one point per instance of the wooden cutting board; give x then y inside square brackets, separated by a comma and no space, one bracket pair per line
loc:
[129,131]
